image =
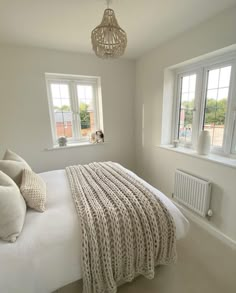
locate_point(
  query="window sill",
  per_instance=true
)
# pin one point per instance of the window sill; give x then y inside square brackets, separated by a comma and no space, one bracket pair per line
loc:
[74,145]
[225,161]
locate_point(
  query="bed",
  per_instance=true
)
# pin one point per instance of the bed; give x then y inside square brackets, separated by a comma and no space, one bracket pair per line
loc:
[46,256]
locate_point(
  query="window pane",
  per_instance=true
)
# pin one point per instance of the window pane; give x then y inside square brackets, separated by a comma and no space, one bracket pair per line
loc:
[184,97]
[62,109]
[191,99]
[216,129]
[55,89]
[223,94]
[216,104]
[188,126]
[225,76]
[212,94]
[60,91]
[63,122]
[192,84]
[86,106]
[211,105]
[188,86]
[185,84]
[213,79]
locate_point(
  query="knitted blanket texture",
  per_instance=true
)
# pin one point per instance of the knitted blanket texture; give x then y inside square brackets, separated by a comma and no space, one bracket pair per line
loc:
[126,229]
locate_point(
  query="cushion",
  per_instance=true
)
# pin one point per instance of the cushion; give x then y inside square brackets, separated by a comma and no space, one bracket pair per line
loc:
[33,189]
[12,209]
[10,155]
[13,165]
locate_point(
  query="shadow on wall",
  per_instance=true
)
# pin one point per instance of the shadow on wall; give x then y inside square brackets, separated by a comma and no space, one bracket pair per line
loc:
[217,194]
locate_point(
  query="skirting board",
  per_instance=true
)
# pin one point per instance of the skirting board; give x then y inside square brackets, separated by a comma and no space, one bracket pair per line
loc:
[207,226]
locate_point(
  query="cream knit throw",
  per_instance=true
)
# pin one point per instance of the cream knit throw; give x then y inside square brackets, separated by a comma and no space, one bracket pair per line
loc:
[126,229]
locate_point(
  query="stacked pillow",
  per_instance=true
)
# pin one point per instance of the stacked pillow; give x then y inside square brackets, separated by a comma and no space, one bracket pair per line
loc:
[33,189]
[12,209]
[13,165]
[17,180]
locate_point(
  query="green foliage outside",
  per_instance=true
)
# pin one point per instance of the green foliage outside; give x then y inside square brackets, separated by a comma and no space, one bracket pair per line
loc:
[215,111]
[84,114]
[63,108]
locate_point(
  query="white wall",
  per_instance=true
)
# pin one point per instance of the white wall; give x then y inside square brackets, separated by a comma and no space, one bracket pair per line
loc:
[24,116]
[158,165]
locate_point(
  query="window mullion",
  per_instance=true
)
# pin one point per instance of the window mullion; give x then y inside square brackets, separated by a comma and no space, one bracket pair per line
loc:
[199,97]
[233,145]
[176,107]
[96,108]
[230,130]
[78,111]
[203,98]
[75,111]
[52,116]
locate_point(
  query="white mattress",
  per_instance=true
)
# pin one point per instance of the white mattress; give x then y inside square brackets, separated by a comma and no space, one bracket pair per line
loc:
[46,256]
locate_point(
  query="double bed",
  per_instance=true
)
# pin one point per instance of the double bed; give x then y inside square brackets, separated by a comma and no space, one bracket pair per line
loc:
[46,256]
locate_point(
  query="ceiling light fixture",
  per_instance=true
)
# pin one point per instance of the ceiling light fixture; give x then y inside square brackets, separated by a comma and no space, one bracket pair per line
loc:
[109,40]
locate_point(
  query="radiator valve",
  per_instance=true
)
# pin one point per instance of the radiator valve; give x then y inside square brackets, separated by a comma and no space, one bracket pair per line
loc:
[210,213]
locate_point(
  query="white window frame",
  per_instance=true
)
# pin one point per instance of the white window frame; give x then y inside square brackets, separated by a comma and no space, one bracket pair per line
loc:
[201,69]
[179,76]
[72,81]
[233,146]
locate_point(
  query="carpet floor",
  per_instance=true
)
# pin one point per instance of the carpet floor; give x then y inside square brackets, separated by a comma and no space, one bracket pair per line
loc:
[205,265]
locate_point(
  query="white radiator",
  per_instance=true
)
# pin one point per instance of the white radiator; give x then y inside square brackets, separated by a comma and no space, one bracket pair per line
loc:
[193,192]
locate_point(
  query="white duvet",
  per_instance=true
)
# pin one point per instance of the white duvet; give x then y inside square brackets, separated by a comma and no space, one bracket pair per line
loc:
[46,256]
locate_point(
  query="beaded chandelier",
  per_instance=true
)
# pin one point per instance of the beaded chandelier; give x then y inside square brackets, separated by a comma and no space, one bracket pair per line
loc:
[109,40]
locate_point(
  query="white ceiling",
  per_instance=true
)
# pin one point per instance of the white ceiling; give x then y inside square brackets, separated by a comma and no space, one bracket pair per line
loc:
[67,24]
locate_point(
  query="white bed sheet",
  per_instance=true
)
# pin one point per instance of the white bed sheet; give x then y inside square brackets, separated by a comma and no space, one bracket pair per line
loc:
[46,256]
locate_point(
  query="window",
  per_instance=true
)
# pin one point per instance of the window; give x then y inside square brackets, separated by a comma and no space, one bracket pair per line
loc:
[205,98]
[75,106]
[216,101]
[186,108]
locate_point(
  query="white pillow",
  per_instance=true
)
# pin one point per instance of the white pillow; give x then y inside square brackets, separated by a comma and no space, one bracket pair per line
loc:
[12,209]
[10,155]
[13,165]
[33,189]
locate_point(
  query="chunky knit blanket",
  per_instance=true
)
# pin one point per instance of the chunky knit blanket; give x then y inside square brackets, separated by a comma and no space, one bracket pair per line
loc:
[126,229]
